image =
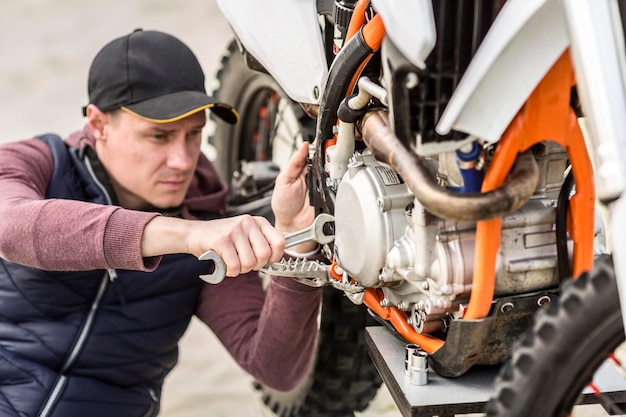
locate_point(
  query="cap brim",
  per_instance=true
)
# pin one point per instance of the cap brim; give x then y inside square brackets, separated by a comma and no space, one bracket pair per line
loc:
[175,106]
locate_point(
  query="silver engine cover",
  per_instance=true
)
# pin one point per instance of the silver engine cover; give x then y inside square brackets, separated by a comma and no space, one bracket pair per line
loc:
[369,217]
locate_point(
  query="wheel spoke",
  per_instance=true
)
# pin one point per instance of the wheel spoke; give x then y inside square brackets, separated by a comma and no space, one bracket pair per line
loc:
[607,403]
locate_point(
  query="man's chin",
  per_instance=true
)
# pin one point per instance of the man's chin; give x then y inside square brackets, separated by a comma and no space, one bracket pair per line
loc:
[168,205]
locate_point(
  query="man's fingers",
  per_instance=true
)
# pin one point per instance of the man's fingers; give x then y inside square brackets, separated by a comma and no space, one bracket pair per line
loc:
[252,243]
[297,163]
[231,259]
[275,240]
[258,250]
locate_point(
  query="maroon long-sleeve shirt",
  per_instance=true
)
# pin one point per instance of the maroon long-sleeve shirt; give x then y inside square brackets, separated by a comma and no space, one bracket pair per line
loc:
[270,333]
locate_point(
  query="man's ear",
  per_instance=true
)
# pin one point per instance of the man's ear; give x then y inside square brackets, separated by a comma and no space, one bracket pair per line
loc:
[98,121]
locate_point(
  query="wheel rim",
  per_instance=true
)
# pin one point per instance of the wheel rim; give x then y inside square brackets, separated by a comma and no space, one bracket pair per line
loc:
[270,128]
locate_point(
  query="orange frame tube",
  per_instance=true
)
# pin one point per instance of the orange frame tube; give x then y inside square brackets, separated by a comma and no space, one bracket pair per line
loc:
[358,18]
[398,319]
[546,115]
[373,34]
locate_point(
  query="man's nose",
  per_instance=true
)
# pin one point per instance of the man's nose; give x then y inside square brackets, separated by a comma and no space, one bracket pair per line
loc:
[179,156]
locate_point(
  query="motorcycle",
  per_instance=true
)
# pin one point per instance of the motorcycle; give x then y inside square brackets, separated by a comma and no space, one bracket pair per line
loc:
[462,149]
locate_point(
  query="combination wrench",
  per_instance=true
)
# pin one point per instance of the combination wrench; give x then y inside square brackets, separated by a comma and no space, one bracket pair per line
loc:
[319,231]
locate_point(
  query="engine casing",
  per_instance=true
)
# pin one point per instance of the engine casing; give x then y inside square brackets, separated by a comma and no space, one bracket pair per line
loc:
[384,238]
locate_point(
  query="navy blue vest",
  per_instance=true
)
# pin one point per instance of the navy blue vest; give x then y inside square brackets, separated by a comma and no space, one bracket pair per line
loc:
[94,343]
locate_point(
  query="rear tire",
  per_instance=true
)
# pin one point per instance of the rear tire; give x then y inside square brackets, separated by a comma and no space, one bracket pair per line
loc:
[271,126]
[342,378]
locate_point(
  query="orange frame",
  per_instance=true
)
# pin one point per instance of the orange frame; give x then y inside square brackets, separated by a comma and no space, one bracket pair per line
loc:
[546,115]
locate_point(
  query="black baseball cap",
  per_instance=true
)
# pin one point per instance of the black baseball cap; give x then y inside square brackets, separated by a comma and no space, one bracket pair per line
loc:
[152,75]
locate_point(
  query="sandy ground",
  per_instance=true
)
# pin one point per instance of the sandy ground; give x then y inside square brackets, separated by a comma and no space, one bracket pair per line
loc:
[46,47]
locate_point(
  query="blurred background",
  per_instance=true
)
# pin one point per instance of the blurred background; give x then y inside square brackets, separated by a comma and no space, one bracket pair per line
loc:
[46,48]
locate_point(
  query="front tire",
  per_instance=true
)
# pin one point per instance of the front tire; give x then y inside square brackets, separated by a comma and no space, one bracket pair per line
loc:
[558,357]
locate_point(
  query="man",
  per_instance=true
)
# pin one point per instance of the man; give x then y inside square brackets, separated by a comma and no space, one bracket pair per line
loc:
[99,239]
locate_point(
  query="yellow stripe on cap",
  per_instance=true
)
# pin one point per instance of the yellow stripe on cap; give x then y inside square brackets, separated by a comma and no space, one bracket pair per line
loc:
[182,116]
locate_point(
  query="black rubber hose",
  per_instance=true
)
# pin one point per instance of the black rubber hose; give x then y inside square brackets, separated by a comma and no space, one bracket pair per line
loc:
[438,200]
[345,65]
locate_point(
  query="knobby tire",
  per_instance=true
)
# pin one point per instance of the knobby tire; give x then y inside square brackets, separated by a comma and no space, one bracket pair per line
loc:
[557,358]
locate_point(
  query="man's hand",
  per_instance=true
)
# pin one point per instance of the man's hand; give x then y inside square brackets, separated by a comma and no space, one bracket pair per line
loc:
[290,200]
[244,242]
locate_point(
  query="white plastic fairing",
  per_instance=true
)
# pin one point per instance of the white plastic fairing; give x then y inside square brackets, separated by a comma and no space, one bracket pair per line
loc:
[526,39]
[410,25]
[284,36]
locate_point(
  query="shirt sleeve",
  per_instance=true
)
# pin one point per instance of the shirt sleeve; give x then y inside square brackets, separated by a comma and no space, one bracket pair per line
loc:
[271,334]
[56,234]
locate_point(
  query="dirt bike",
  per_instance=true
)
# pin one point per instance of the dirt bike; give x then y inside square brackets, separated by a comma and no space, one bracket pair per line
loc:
[462,148]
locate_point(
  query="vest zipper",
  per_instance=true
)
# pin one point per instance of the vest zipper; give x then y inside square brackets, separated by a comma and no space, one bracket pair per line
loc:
[78,346]
[84,331]
[54,395]
[97,181]
[153,404]
[110,274]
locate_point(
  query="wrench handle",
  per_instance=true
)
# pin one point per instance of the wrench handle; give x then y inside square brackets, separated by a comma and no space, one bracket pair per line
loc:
[219,271]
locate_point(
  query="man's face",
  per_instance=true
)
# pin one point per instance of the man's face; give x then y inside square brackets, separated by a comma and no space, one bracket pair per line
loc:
[150,164]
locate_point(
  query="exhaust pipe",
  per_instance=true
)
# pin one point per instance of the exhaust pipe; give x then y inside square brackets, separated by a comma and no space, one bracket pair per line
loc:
[469,207]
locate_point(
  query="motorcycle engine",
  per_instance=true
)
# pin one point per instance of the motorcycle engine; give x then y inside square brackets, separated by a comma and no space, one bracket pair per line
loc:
[384,238]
